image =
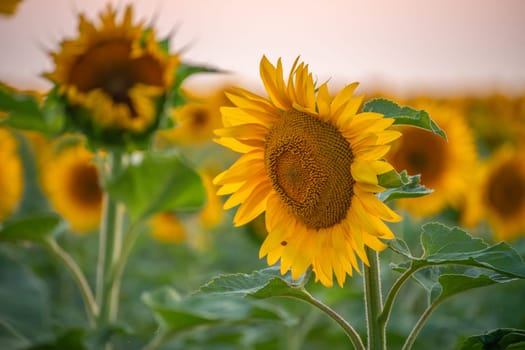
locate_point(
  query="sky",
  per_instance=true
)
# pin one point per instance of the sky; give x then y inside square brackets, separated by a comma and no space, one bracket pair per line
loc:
[407,46]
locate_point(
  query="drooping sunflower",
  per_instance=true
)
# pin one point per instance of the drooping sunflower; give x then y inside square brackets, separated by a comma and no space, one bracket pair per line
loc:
[311,162]
[445,166]
[114,75]
[498,194]
[11,178]
[70,179]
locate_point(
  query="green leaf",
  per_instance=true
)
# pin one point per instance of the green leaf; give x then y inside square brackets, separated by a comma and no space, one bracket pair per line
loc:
[33,228]
[176,313]
[401,185]
[25,313]
[403,115]
[24,112]
[451,284]
[444,245]
[260,284]
[504,338]
[158,182]
[71,339]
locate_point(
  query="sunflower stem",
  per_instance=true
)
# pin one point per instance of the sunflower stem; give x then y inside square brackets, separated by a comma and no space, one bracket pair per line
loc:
[373,302]
[347,327]
[79,277]
[110,242]
[390,298]
[419,325]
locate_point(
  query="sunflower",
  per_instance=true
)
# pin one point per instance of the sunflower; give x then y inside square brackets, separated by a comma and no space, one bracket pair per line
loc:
[311,162]
[498,194]
[71,181]
[11,178]
[445,166]
[117,71]
[196,120]
[8,7]
[212,214]
[167,228]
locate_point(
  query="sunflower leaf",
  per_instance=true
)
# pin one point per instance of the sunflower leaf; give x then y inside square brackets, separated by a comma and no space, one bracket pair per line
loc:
[260,284]
[33,228]
[158,182]
[401,185]
[443,245]
[503,338]
[451,284]
[176,313]
[403,115]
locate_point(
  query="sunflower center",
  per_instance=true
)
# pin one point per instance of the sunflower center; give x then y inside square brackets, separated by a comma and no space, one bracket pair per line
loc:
[110,67]
[506,190]
[308,162]
[421,152]
[84,185]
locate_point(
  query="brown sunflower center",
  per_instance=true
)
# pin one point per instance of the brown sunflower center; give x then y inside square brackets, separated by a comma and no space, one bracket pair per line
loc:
[505,191]
[420,152]
[84,185]
[308,162]
[109,66]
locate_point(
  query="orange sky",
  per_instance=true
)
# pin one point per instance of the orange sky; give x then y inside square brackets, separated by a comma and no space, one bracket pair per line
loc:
[407,45]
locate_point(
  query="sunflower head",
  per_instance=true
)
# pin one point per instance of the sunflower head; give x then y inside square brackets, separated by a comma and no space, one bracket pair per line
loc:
[167,228]
[499,195]
[310,161]
[70,179]
[445,166]
[196,120]
[8,7]
[114,77]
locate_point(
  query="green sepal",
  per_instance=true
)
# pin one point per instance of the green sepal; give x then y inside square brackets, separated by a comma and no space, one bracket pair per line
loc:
[401,185]
[403,115]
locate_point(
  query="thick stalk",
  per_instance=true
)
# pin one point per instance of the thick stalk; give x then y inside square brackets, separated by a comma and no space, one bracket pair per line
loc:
[373,302]
[110,241]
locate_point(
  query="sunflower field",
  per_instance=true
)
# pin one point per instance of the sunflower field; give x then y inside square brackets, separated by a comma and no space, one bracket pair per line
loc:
[137,212]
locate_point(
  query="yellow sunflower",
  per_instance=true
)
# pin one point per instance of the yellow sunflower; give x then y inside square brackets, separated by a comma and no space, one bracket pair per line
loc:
[212,213]
[71,181]
[445,166]
[311,162]
[117,71]
[8,7]
[196,120]
[11,174]
[167,228]
[498,194]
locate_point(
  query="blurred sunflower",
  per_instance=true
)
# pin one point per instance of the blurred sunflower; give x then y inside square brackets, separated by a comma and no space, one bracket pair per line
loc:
[498,194]
[311,162]
[8,7]
[167,228]
[196,120]
[117,71]
[212,214]
[11,174]
[444,166]
[70,179]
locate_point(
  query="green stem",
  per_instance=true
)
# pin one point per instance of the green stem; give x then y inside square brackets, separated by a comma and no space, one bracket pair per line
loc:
[160,337]
[119,266]
[347,327]
[79,277]
[389,301]
[419,325]
[373,302]
[110,242]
